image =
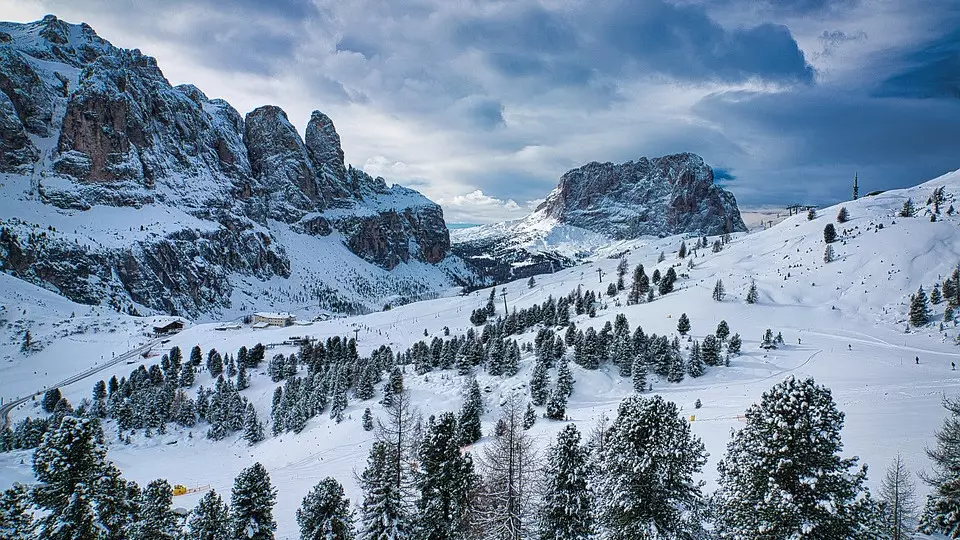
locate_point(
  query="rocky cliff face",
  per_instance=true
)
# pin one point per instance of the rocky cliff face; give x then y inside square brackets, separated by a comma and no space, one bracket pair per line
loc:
[599,202]
[660,196]
[86,126]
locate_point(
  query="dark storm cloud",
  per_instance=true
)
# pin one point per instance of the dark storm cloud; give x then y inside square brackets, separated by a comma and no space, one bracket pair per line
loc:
[931,70]
[820,139]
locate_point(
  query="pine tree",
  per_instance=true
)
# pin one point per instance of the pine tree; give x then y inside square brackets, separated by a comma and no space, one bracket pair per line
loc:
[564,378]
[367,420]
[752,295]
[446,482]
[325,513]
[941,513]
[50,399]
[210,520]
[898,497]
[566,512]
[157,520]
[667,282]
[718,291]
[187,376]
[67,493]
[557,404]
[843,216]
[723,331]
[243,381]
[469,424]
[683,324]
[682,252]
[251,505]
[829,233]
[710,350]
[214,363]
[828,255]
[733,347]
[677,368]
[907,210]
[935,296]
[695,365]
[539,383]
[383,515]
[782,476]
[645,472]
[811,214]
[529,417]
[252,426]
[16,521]
[919,311]
[639,375]
[196,356]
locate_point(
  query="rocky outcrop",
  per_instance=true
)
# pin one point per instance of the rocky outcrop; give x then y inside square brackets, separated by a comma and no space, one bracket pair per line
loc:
[661,196]
[122,136]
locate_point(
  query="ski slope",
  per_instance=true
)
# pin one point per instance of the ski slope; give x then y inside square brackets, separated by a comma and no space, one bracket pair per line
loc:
[843,323]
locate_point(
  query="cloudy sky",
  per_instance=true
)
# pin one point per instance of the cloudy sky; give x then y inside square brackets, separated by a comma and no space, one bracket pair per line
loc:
[482,105]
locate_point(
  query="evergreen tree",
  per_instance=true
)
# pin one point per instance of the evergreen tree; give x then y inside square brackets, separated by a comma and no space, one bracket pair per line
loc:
[907,210]
[557,404]
[67,492]
[16,521]
[811,214]
[656,277]
[752,295]
[667,282]
[383,515]
[367,420]
[157,520]
[187,376]
[469,425]
[251,505]
[446,482]
[50,399]
[252,426]
[843,216]
[210,520]
[782,476]
[531,283]
[567,509]
[683,324]
[196,356]
[529,417]
[828,255]
[919,310]
[677,368]
[829,233]
[695,365]
[935,296]
[898,495]
[639,375]
[710,351]
[539,383]
[733,347]
[564,379]
[718,291]
[645,474]
[723,331]
[941,513]
[325,513]
[214,363]
[243,381]
[682,252]
[339,402]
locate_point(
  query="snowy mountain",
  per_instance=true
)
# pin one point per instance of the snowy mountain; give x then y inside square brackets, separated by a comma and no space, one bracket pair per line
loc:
[599,204]
[844,323]
[122,190]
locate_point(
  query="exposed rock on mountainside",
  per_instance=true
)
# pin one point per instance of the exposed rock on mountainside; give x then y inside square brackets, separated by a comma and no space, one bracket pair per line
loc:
[85,126]
[600,202]
[661,196]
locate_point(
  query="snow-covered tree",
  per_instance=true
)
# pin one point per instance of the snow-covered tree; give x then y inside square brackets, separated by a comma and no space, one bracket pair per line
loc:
[539,384]
[723,331]
[907,210]
[941,513]
[829,233]
[446,482]
[733,346]
[367,420]
[529,417]
[566,512]
[325,513]
[639,375]
[683,324]
[718,291]
[783,477]
[210,520]
[251,505]
[828,255]
[469,424]
[383,513]
[843,216]
[645,486]
[252,426]
[695,365]
[16,521]
[157,520]
[752,295]
[919,310]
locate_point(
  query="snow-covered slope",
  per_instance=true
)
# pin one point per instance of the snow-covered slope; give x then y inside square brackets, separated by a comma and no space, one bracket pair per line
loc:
[843,323]
[166,201]
[599,204]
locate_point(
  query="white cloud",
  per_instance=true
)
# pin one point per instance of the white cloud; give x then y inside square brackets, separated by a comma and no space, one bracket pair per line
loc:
[478,207]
